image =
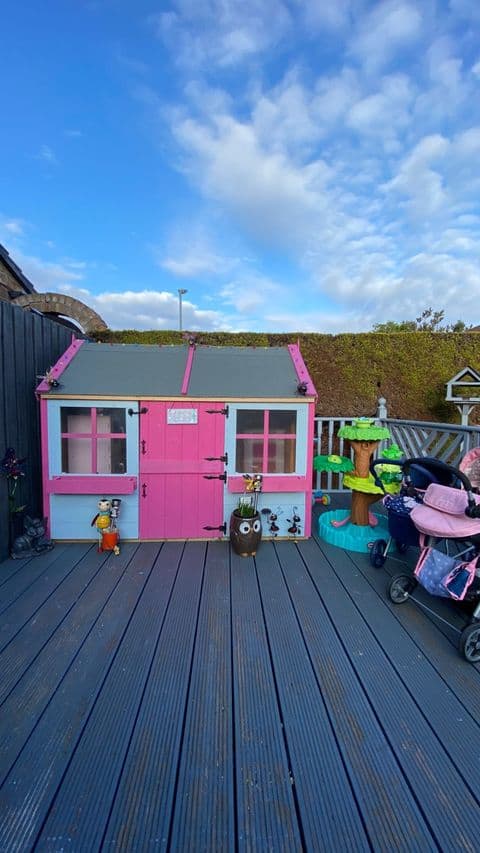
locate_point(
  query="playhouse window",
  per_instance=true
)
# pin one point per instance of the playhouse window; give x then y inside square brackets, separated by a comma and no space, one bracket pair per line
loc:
[266,441]
[94,440]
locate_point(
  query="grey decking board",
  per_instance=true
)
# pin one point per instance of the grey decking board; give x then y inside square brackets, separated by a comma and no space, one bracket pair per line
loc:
[265,802]
[350,677]
[10,567]
[391,822]
[16,586]
[52,742]
[326,803]
[457,678]
[34,634]
[141,813]
[40,682]
[423,760]
[204,813]
[30,604]
[88,789]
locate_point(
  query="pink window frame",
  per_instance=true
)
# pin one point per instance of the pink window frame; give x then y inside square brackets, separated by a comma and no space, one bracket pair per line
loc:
[93,435]
[265,436]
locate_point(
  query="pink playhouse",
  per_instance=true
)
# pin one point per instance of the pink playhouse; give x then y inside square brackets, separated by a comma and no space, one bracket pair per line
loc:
[170,431]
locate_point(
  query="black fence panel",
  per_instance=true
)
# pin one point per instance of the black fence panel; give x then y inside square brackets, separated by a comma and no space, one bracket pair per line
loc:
[29,345]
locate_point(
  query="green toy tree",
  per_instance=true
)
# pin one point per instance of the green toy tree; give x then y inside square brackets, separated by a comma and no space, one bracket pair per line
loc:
[364,437]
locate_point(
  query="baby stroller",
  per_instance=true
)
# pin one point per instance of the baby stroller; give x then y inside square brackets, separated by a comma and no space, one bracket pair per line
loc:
[448,524]
[416,475]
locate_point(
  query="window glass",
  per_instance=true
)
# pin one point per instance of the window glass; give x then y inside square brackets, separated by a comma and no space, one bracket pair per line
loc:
[76,455]
[281,456]
[111,455]
[75,419]
[111,420]
[284,422]
[250,421]
[249,456]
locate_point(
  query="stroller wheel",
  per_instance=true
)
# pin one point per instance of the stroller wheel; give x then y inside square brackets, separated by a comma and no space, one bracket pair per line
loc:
[401,547]
[400,587]
[470,642]
[378,553]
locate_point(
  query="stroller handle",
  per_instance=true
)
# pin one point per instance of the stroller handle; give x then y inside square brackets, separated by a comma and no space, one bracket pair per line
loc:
[472,509]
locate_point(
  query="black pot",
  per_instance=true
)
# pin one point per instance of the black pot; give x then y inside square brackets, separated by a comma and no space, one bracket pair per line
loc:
[245,534]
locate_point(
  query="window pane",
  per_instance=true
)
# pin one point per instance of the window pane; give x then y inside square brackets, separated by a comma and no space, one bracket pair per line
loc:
[250,421]
[111,420]
[76,456]
[281,456]
[283,422]
[111,455]
[249,456]
[75,419]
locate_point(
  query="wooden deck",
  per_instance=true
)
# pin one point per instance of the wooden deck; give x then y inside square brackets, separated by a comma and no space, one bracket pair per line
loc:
[180,697]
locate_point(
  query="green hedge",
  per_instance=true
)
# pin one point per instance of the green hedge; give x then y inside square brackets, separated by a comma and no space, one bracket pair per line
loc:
[410,369]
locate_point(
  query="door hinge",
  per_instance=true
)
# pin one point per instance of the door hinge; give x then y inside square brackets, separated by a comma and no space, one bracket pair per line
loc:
[142,411]
[218,411]
[221,527]
[223,458]
[216,476]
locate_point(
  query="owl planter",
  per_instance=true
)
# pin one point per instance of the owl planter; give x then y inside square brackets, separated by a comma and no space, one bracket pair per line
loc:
[245,533]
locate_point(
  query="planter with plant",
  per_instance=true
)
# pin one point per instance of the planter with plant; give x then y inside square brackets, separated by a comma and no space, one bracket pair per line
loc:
[245,523]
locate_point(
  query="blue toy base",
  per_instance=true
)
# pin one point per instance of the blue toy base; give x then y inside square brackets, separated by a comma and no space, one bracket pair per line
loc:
[350,536]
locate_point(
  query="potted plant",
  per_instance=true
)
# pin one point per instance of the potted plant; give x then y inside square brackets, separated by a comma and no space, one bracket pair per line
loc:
[12,469]
[245,523]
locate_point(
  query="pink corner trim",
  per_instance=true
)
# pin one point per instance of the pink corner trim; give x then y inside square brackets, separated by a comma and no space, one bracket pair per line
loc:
[188,369]
[44,452]
[61,365]
[300,367]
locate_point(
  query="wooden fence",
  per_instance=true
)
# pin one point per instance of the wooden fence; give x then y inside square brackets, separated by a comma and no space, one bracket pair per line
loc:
[29,345]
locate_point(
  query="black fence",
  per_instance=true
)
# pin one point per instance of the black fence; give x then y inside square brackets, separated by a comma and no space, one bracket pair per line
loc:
[29,345]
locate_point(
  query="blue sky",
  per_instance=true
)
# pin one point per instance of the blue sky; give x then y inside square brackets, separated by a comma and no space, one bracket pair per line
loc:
[295,165]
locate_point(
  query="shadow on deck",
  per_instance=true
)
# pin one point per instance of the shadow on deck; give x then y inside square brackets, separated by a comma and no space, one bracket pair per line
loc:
[180,697]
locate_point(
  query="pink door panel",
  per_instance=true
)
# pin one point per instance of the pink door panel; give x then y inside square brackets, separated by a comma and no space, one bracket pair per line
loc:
[176,501]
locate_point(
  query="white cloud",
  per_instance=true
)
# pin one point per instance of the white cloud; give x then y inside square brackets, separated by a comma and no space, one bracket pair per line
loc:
[388,28]
[13,227]
[222,32]
[416,179]
[47,154]
[189,253]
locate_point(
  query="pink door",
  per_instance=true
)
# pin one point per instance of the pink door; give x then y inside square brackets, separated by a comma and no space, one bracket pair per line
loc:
[176,499]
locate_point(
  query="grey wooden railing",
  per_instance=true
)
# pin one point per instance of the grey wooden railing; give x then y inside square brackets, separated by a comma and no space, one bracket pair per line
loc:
[447,442]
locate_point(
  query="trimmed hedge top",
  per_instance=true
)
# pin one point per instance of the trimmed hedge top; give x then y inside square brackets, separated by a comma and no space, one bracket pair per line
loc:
[350,372]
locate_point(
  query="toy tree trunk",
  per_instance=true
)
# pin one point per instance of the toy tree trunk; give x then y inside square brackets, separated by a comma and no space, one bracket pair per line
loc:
[362,453]
[361,503]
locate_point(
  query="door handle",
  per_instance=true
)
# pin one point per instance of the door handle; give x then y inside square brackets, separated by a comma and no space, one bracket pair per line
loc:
[144,490]
[143,442]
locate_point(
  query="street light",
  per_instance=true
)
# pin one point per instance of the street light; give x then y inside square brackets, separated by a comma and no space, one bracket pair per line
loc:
[181,292]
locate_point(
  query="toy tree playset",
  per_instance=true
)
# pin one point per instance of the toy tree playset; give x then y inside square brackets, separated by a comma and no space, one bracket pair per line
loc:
[352,529]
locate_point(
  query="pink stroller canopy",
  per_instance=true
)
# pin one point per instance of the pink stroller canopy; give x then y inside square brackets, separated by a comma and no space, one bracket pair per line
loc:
[442,514]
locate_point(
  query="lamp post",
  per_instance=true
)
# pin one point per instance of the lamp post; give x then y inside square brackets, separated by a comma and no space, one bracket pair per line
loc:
[181,293]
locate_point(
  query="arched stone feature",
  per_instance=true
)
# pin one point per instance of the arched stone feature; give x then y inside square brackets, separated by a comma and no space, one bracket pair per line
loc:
[67,306]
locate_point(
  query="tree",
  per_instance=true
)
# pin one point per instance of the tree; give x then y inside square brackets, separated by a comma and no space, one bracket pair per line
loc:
[429,321]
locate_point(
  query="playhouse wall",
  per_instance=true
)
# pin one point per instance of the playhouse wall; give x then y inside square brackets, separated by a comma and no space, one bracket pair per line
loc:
[71,516]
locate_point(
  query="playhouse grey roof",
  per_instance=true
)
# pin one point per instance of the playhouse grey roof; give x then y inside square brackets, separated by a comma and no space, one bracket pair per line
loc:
[136,371]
